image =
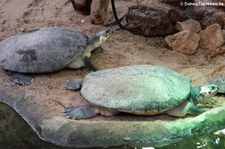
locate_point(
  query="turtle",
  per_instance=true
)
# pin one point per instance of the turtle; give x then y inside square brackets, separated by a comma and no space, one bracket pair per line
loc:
[47,49]
[140,90]
[220,82]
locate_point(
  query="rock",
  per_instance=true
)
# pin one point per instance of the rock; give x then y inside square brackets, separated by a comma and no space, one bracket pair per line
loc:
[215,52]
[194,14]
[185,42]
[147,21]
[222,15]
[223,34]
[82,6]
[175,16]
[212,37]
[209,20]
[190,25]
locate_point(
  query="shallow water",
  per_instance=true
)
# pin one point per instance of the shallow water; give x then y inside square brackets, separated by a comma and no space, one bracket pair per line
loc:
[209,141]
[15,133]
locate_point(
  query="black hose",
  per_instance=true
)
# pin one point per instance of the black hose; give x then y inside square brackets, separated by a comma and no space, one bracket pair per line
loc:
[115,15]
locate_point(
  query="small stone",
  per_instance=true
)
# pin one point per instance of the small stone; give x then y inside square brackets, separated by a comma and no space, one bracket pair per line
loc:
[212,37]
[82,21]
[191,25]
[185,42]
[22,29]
[126,138]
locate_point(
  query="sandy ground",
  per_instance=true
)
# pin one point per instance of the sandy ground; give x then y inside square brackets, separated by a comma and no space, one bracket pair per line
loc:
[123,48]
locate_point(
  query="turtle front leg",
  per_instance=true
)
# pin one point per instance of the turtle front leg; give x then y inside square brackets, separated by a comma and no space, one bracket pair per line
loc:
[98,50]
[88,64]
[195,110]
[21,79]
[185,108]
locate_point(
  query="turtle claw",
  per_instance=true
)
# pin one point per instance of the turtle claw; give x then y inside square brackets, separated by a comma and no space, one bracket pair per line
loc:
[21,79]
[80,112]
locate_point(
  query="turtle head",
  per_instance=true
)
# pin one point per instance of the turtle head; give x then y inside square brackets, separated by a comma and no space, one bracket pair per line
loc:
[207,91]
[98,39]
[199,93]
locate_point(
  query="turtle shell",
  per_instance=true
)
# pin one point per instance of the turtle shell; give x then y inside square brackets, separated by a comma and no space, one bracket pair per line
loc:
[139,89]
[41,50]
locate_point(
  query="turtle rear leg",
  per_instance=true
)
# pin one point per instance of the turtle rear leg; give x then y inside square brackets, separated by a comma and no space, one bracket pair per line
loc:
[21,79]
[81,112]
[87,111]
[74,85]
[185,108]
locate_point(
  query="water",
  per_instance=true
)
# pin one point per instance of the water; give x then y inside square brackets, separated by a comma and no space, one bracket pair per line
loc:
[15,133]
[210,141]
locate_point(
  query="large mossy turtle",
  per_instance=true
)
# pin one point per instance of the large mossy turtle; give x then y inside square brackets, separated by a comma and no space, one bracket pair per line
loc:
[48,49]
[138,89]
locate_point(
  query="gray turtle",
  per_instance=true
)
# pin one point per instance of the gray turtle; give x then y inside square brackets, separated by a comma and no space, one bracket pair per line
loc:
[138,89]
[46,50]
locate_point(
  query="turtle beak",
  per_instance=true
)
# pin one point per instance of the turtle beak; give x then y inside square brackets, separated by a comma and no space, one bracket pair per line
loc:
[103,33]
[99,38]
[104,36]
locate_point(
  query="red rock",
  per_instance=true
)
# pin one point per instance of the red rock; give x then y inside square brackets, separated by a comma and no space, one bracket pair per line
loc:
[215,52]
[185,42]
[190,24]
[148,21]
[222,15]
[211,37]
